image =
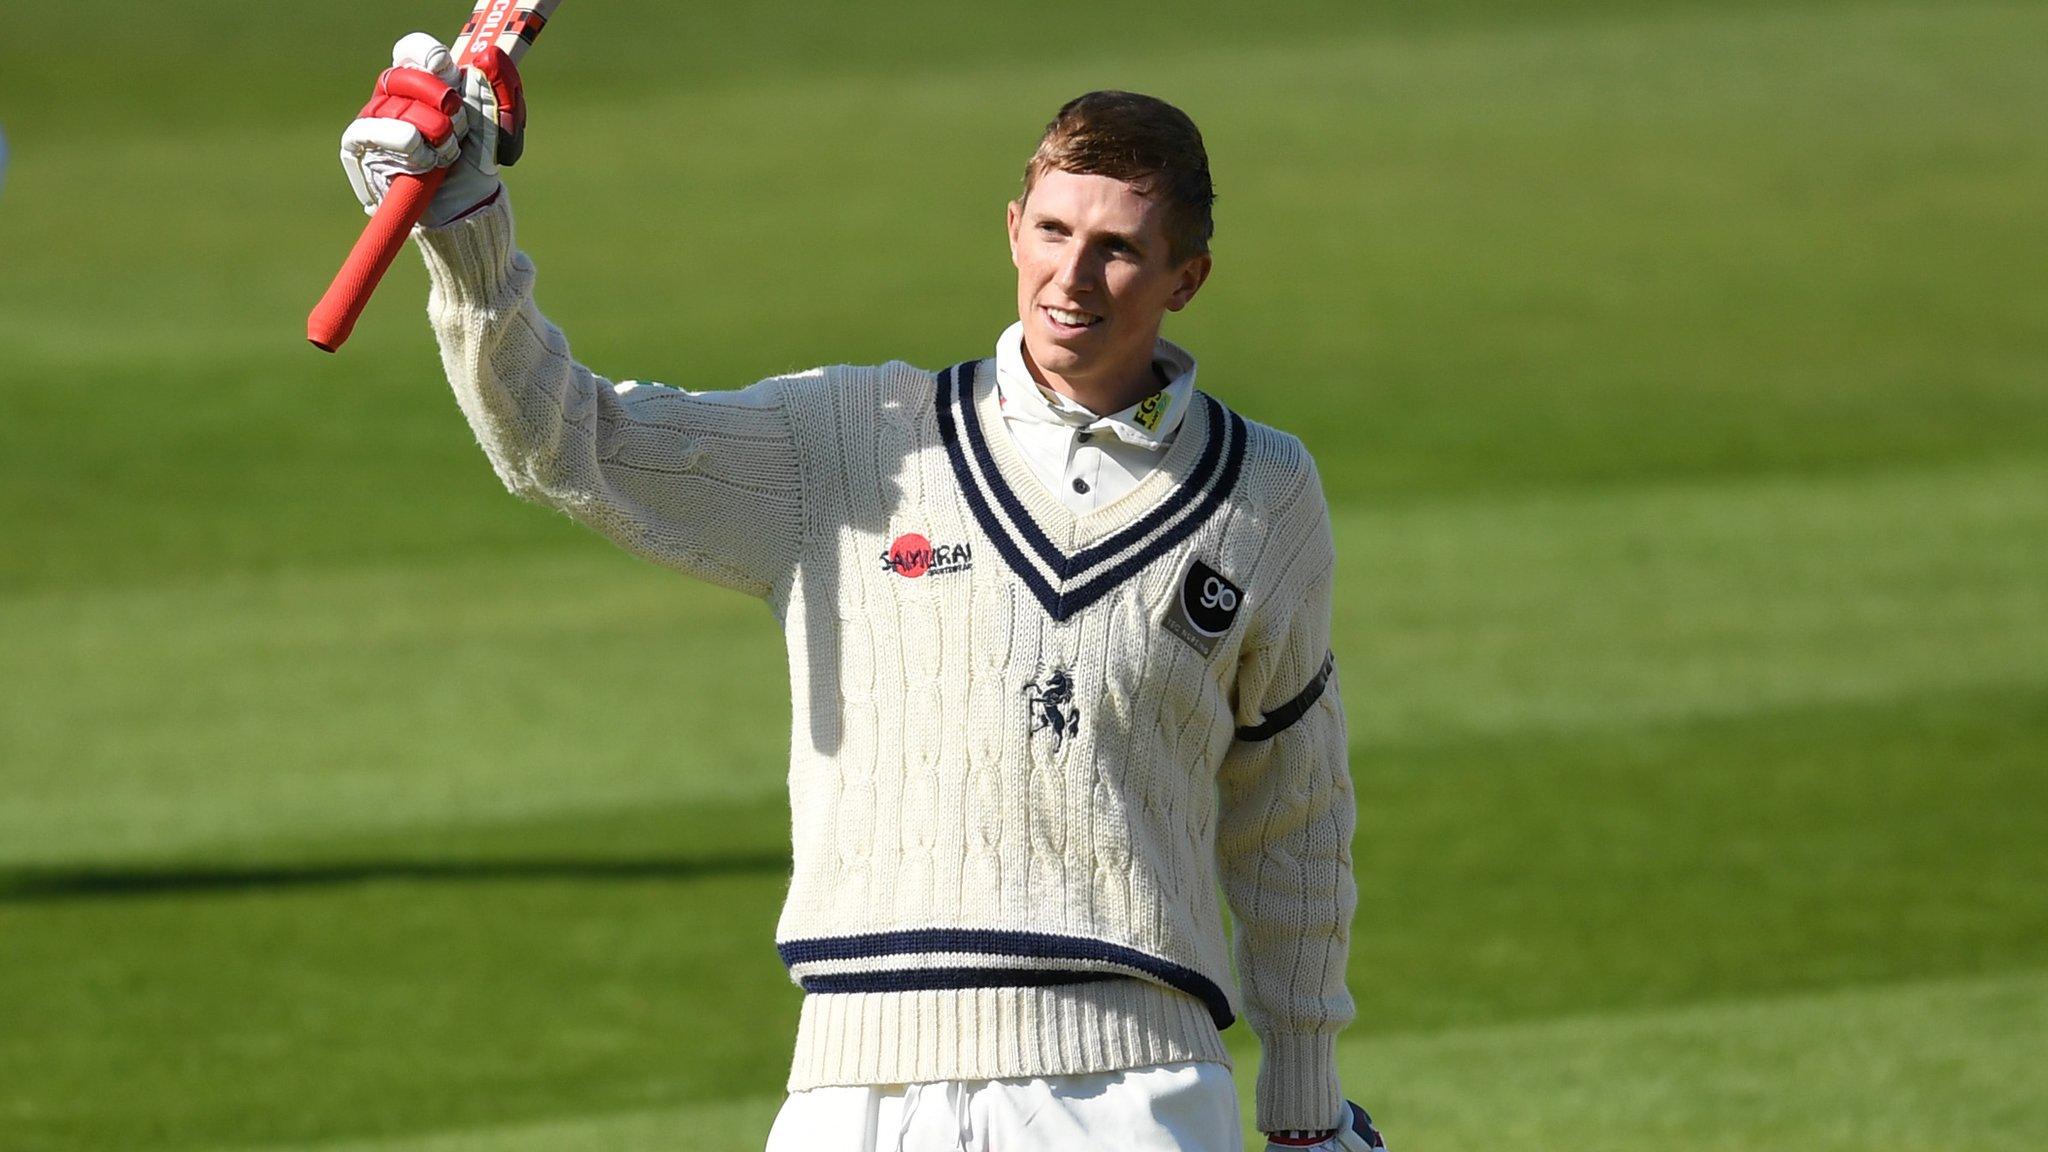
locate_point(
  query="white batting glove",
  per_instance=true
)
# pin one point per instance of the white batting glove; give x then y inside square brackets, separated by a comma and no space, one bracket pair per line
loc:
[426,113]
[1357,1134]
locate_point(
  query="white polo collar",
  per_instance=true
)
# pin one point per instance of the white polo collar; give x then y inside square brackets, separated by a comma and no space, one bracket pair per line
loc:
[1150,423]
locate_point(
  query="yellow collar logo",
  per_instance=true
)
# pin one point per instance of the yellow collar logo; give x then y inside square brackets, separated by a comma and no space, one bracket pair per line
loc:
[1152,411]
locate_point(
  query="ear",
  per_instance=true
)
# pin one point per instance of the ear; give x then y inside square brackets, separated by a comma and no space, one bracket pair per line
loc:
[1013,217]
[1192,275]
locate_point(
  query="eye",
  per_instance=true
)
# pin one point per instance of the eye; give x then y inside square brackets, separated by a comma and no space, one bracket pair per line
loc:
[1122,248]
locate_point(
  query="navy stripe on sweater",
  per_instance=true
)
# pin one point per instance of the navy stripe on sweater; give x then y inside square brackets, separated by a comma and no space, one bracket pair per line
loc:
[1034,946]
[1214,476]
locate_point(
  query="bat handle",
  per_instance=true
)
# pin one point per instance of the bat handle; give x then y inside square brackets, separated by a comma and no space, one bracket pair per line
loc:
[334,317]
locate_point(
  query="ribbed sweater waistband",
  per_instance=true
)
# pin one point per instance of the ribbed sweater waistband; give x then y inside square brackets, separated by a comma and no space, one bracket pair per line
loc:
[998,1033]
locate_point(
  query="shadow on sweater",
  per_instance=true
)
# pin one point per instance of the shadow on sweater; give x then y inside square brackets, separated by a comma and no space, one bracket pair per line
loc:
[882,476]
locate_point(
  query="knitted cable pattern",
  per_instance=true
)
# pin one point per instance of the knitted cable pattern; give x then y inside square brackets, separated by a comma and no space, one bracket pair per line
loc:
[1029,746]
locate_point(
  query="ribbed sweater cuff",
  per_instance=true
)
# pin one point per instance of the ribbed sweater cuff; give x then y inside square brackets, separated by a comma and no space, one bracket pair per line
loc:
[998,1033]
[1298,1085]
[473,262]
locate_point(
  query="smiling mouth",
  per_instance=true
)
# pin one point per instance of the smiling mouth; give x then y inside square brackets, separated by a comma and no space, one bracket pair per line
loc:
[1066,321]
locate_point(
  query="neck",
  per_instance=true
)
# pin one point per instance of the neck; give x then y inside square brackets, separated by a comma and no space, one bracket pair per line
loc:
[1100,393]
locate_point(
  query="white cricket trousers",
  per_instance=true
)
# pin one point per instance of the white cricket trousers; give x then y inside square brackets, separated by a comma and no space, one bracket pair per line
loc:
[1189,1107]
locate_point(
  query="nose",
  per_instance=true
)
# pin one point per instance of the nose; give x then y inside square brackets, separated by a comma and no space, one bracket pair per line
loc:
[1076,271]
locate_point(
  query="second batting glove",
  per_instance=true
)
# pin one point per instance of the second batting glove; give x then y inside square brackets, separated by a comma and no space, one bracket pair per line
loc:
[1356,1135]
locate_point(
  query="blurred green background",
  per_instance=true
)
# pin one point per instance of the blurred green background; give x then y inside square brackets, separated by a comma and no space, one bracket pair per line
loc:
[1679,375]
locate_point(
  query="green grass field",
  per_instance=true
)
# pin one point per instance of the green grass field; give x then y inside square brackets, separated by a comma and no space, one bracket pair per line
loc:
[1678,371]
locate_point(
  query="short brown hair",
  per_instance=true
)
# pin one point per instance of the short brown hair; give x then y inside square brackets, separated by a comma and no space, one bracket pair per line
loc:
[1141,140]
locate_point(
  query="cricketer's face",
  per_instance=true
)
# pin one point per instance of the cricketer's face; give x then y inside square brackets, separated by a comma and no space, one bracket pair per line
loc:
[1095,276]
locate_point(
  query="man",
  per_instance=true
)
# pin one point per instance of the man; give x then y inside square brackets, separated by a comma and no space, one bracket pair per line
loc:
[1058,630]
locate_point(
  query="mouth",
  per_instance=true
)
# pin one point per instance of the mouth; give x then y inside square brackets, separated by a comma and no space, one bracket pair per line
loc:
[1068,321]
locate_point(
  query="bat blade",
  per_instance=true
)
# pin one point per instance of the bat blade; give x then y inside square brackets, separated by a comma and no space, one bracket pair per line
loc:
[510,26]
[507,24]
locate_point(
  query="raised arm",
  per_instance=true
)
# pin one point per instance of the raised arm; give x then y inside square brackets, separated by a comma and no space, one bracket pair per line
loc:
[707,483]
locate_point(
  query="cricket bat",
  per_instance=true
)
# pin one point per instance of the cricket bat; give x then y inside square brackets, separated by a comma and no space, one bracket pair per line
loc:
[511,25]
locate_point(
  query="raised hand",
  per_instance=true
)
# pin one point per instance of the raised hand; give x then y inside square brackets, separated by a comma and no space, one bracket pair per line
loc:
[426,113]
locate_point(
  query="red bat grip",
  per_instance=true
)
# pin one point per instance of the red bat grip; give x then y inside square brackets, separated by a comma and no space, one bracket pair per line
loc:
[334,317]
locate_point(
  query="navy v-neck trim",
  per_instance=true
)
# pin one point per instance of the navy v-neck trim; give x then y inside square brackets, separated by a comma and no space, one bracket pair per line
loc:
[1063,584]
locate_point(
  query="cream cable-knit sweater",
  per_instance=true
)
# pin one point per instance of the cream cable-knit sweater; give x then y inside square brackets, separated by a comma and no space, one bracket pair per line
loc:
[1027,744]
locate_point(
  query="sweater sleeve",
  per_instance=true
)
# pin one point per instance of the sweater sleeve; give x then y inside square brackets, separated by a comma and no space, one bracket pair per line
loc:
[1284,842]
[707,483]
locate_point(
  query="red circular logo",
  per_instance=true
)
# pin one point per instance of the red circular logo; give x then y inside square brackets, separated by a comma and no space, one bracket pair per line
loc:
[910,555]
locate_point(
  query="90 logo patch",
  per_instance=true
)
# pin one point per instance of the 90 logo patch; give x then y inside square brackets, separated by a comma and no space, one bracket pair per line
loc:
[1205,607]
